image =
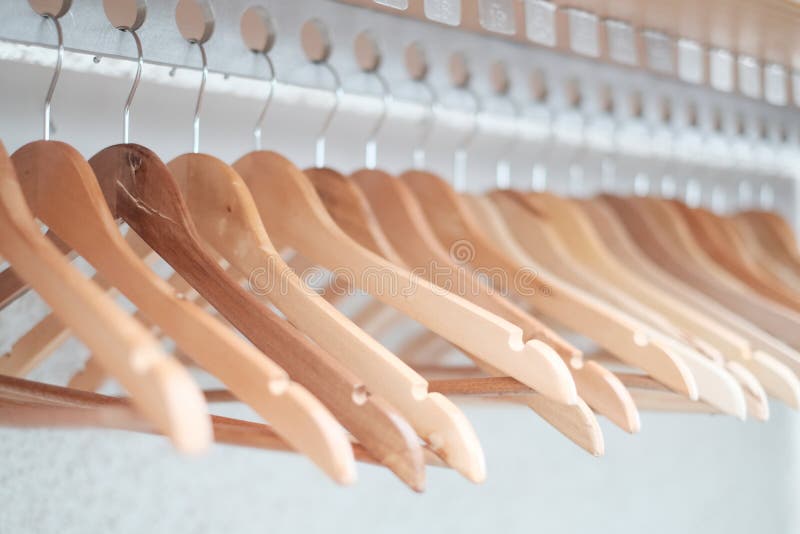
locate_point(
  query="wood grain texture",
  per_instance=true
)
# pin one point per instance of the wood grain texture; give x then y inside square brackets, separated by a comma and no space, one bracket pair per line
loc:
[227,218]
[667,241]
[404,222]
[291,209]
[574,241]
[779,380]
[140,189]
[452,220]
[161,388]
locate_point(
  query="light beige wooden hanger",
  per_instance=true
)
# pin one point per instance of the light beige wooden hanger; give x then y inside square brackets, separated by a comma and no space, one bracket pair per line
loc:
[697,268]
[757,244]
[161,388]
[257,380]
[293,213]
[773,229]
[588,245]
[620,244]
[404,222]
[776,376]
[625,248]
[674,241]
[567,419]
[714,385]
[227,218]
[722,248]
[581,244]
[453,222]
[166,226]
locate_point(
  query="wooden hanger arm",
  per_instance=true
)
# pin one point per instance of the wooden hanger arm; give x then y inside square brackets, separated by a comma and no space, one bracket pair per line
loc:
[580,311]
[290,208]
[160,387]
[404,222]
[228,220]
[143,192]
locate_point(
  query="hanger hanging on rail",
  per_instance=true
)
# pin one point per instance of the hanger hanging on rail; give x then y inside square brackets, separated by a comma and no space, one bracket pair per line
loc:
[450,217]
[664,236]
[227,218]
[166,226]
[577,422]
[553,233]
[713,323]
[161,389]
[94,234]
[294,215]
[403,221]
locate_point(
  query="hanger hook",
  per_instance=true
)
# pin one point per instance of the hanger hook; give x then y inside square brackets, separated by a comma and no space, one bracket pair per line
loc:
[503,168]
[273,80]
[319,156]
[126,112]
[371,147]
[430,121]
[198,105]
[460,154]
[54,81]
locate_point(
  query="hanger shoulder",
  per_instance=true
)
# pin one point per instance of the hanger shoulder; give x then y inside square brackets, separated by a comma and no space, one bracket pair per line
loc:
[721,248]
[670,251]
[403,219]
[258,381]
[584,313]
[346,204]
[290,207]
[226,217]
[160,386]
[145,194]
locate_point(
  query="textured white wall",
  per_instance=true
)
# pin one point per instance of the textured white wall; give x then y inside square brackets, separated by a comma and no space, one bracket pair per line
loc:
[692,473]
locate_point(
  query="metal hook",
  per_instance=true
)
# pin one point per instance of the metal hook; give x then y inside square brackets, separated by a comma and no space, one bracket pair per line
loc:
[260,122]
[126,112]
[196,120]
[460,154]
[503,168]
[319,156]
[371,146]
[419,154]
[54,81]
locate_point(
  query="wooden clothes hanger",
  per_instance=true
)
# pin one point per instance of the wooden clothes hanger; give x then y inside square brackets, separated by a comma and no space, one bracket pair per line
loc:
[226,216]
[761,253]
[781,322]
[617,240]
[713,384]
[722,248]
[669,246]
[404,221]
[293,213]
[349,207]
[452,220]
[716,385]
[778,379]
[257,380]
[587,244]
[160,388]
[765,248]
